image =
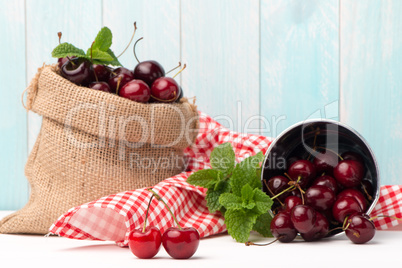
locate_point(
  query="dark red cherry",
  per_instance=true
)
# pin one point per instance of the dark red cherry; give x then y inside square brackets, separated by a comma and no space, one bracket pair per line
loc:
[276,185]
[101,72]
[61,61]
[349,173]
[180,94]
[145,244]
[101,86]
[181,243]
[165,89]
[122,70]
[325,162]
[296,192]
[136,90]
[328,181]
[320,197]
[349,155]
[78,71]
[360,229]
[282,227]
[120,74]
[303,168]
[344,207]
[148,71]
[292,201]
[303,218]
[320,229]
[356,194]
[291,160]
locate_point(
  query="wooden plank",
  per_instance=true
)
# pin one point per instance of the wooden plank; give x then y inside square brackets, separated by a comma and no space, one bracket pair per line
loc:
[299,62]
[13,127]
[220,43]
[157,21]
[371,80]
[79,21]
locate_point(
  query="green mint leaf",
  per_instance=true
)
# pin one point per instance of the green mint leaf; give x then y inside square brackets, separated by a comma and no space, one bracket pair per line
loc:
[67,50]
[214,193]
[103,40]
[239,224]
[246,172]
[99,55]
[263,225]
[115,61]
[230,201]
[247,197]
[205,178]
[263,202]
[223,158]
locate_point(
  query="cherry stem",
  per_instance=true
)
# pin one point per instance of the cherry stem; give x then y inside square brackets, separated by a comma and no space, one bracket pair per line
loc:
[346,223]
[59,35]
[184,67]
[369,197]
[266,184]
[174,68]
[249,243]
[92,62]
[170,100]
[287,175]
[118,84]
[385,216]
[131,40]
[166,205]
[334,229]
[135,55]
[284,191]
[340,157]
[146,214]
[69,59]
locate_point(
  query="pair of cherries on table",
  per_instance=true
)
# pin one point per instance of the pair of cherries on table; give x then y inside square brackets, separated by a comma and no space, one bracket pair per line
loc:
[146,83]
[179,243]
[314,195]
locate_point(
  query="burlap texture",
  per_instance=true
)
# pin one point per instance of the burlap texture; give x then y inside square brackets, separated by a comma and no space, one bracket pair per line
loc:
[93,144]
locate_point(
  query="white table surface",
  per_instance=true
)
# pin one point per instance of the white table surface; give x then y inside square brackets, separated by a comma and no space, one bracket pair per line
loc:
[216,251]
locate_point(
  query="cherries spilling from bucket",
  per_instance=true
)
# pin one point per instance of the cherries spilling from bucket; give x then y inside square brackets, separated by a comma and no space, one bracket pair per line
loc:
[321,195]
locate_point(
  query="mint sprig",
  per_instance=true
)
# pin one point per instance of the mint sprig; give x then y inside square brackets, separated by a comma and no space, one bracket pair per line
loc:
[235,190]
[99,52]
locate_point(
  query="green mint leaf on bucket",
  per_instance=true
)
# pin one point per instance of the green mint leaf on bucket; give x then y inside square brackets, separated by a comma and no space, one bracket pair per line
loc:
[103,40]
[68,50]
[99,55]
[115,61]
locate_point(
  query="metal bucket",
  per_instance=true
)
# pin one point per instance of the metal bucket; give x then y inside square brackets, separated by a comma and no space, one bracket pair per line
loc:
[298,141]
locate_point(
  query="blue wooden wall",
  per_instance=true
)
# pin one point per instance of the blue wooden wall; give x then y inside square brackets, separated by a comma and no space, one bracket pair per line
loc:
[257,66]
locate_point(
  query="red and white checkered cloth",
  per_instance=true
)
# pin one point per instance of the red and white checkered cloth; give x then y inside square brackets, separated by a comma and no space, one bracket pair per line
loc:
[111,218]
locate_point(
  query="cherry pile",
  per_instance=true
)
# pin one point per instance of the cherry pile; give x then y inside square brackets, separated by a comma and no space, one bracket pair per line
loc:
[179,243]
[318,196]
[146,83]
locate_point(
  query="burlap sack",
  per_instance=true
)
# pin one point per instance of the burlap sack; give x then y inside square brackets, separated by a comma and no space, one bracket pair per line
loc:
[93,144]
